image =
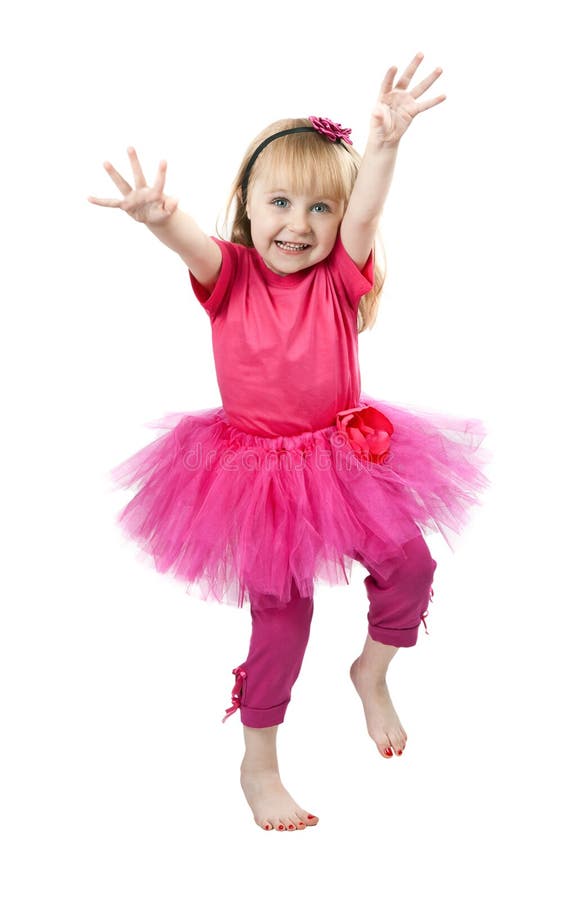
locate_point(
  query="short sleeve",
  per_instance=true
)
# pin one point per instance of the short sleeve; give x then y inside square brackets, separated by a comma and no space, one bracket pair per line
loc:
[212,301]
[351,281]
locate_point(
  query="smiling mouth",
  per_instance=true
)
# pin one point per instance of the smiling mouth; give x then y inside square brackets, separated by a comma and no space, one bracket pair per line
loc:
[291,248]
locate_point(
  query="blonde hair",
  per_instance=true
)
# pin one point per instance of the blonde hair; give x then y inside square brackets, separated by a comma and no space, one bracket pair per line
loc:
[305,155]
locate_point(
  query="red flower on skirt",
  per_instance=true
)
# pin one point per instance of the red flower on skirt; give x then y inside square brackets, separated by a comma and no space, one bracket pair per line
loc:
[367,430]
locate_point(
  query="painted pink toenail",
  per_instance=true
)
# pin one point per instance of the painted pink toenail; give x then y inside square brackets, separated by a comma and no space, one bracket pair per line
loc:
[289,827]
[311,817]
[399,752]
[388,751]
[281,827]
[267,827]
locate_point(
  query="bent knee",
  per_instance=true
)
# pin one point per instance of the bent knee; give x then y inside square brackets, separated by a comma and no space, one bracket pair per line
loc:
[418,564]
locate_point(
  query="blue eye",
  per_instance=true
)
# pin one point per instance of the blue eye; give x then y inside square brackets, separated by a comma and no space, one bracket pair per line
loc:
[278,200]
[324,205]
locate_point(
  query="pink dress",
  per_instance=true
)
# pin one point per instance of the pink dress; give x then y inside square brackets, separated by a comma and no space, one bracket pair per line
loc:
[273,489]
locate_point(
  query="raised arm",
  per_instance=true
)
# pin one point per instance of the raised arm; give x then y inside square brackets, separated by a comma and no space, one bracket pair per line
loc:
[160,213]
[198,251]
[395,110]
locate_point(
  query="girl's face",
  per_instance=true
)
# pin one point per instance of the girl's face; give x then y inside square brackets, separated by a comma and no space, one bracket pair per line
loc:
[291,231]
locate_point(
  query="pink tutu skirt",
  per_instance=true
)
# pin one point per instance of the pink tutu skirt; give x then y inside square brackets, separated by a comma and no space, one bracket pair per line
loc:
[233,513]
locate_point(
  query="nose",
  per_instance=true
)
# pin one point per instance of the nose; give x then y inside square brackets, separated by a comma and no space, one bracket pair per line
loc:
[298,222]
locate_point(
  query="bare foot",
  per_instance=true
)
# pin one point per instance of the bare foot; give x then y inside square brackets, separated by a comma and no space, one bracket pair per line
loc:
[273,807]
[383,723]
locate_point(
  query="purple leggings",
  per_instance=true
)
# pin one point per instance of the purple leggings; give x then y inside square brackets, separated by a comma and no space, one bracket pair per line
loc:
[279,636]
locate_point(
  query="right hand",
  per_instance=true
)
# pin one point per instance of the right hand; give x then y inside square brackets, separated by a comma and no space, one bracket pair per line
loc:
[144,204]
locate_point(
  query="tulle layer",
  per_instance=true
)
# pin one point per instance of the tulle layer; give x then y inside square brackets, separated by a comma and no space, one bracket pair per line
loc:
[233,513]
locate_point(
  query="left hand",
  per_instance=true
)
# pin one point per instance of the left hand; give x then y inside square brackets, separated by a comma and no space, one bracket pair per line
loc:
[396,106]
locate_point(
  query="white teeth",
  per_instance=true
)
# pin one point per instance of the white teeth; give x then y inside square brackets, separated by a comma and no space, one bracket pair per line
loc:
[288,246]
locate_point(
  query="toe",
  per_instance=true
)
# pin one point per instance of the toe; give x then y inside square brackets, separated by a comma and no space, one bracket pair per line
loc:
[266,826]
[398,745]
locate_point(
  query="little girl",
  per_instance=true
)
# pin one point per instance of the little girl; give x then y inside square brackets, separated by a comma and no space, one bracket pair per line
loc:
[298,473]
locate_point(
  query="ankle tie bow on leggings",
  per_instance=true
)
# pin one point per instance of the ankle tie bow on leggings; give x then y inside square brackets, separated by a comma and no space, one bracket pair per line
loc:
[424,614]
[236,692]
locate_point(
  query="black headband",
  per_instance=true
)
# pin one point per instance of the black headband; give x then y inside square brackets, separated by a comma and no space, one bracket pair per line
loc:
[331,130]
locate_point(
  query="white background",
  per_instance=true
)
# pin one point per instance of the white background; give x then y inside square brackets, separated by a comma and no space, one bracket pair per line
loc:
[118,778]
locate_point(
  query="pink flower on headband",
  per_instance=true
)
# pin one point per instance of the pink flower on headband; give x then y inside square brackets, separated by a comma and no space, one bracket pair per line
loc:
[331,130]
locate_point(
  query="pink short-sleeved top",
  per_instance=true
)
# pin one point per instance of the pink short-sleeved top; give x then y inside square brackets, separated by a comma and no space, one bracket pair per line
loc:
[285,346]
